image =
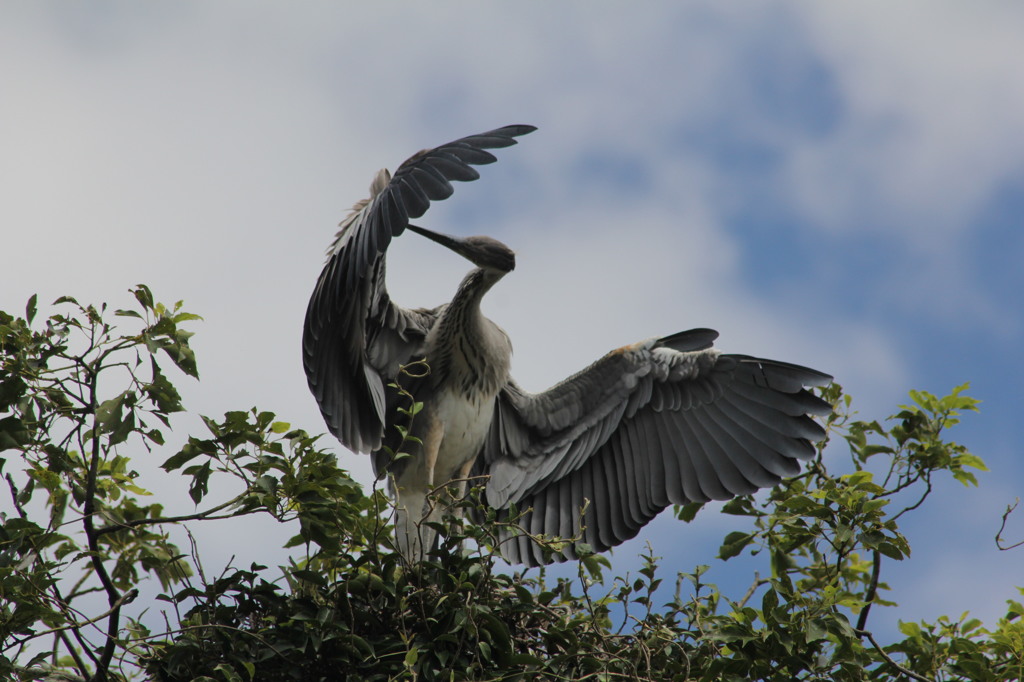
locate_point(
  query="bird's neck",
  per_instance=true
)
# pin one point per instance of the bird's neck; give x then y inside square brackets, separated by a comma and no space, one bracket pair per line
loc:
[467,349]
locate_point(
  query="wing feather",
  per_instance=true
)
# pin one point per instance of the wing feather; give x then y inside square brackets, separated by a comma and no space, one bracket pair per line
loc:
[624,511]
[647,426]
[451,167]
[631,439]
[685,458]
[725,480]
[767,444]
[354,336]
[597,512]
[708,479]
[745,451]
[670,460]
[627,459]
[604,503]
[655,465]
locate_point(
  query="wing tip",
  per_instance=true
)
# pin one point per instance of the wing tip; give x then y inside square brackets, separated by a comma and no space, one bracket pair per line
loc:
[690,340]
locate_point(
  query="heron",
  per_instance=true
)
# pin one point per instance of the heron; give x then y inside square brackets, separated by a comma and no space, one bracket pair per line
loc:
[593,459]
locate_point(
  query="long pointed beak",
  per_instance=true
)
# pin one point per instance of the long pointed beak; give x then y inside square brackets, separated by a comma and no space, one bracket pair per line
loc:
[453,243]
[483,252]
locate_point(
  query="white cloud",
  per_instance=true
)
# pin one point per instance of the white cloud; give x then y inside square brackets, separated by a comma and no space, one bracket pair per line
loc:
[934,116]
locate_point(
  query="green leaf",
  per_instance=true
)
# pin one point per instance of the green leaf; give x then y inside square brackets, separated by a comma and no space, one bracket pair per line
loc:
[30,309]
[180,353]
[314,577]
[161,391]
[200,481]
[13,433]
[190,451]
[144,296]
[128,313]
[738,506]
[973,461]
[891,550]
[185,317]
[912,630]
[816,629]
[109,412]
[769,603]
[734,543]
[858,478]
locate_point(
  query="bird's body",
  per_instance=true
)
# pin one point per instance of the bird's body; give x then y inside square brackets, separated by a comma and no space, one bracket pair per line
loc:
[468,358]
[664,421]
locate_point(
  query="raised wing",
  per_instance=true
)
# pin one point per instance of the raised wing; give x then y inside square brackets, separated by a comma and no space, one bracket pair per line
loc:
[355,337]
[665,421]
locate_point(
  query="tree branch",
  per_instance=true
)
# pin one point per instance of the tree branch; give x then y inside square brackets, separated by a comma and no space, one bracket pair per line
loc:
[21,510]
[65,606]
[113,596]
[206,515]
[876,568]
[47,673]
[1010,508]
[889,660]
[924,495]
[125,598]
[752,589]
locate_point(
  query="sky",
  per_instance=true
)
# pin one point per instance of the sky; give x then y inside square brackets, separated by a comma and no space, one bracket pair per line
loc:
[839,185]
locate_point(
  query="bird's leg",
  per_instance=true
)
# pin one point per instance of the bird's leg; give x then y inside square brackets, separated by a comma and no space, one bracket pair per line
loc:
[443,500]
[431,446]
[415,504]
[464,477]
[408,512]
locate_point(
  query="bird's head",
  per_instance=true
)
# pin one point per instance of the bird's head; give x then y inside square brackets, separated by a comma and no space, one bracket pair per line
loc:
[484,252]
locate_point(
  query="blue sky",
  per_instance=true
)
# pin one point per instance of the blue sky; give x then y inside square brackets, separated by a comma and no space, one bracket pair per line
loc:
[834,184]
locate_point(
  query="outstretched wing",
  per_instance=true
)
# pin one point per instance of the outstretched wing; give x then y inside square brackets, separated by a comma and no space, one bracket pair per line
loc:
[355,337]
[665,421]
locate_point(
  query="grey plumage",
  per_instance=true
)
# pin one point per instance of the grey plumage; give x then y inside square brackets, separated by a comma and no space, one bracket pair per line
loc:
[663,421]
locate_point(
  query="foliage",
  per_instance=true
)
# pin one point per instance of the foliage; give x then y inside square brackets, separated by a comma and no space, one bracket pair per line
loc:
[77,395]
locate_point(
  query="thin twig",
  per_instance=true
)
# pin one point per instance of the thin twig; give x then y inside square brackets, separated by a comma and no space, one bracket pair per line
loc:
[924,495]
[66,608]
[41,672]
[126,598]
[184,628]
[207,515]
[1010,508]
[889,660]
[76,590]
[15,493]
[752,589]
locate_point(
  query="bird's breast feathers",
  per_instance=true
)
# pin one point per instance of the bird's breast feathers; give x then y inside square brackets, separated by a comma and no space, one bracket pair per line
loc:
[464,423]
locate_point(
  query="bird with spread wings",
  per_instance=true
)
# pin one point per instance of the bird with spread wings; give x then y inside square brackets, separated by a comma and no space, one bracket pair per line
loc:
[593,459]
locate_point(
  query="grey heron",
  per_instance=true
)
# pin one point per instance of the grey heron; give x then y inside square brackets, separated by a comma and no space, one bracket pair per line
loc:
[663,421]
